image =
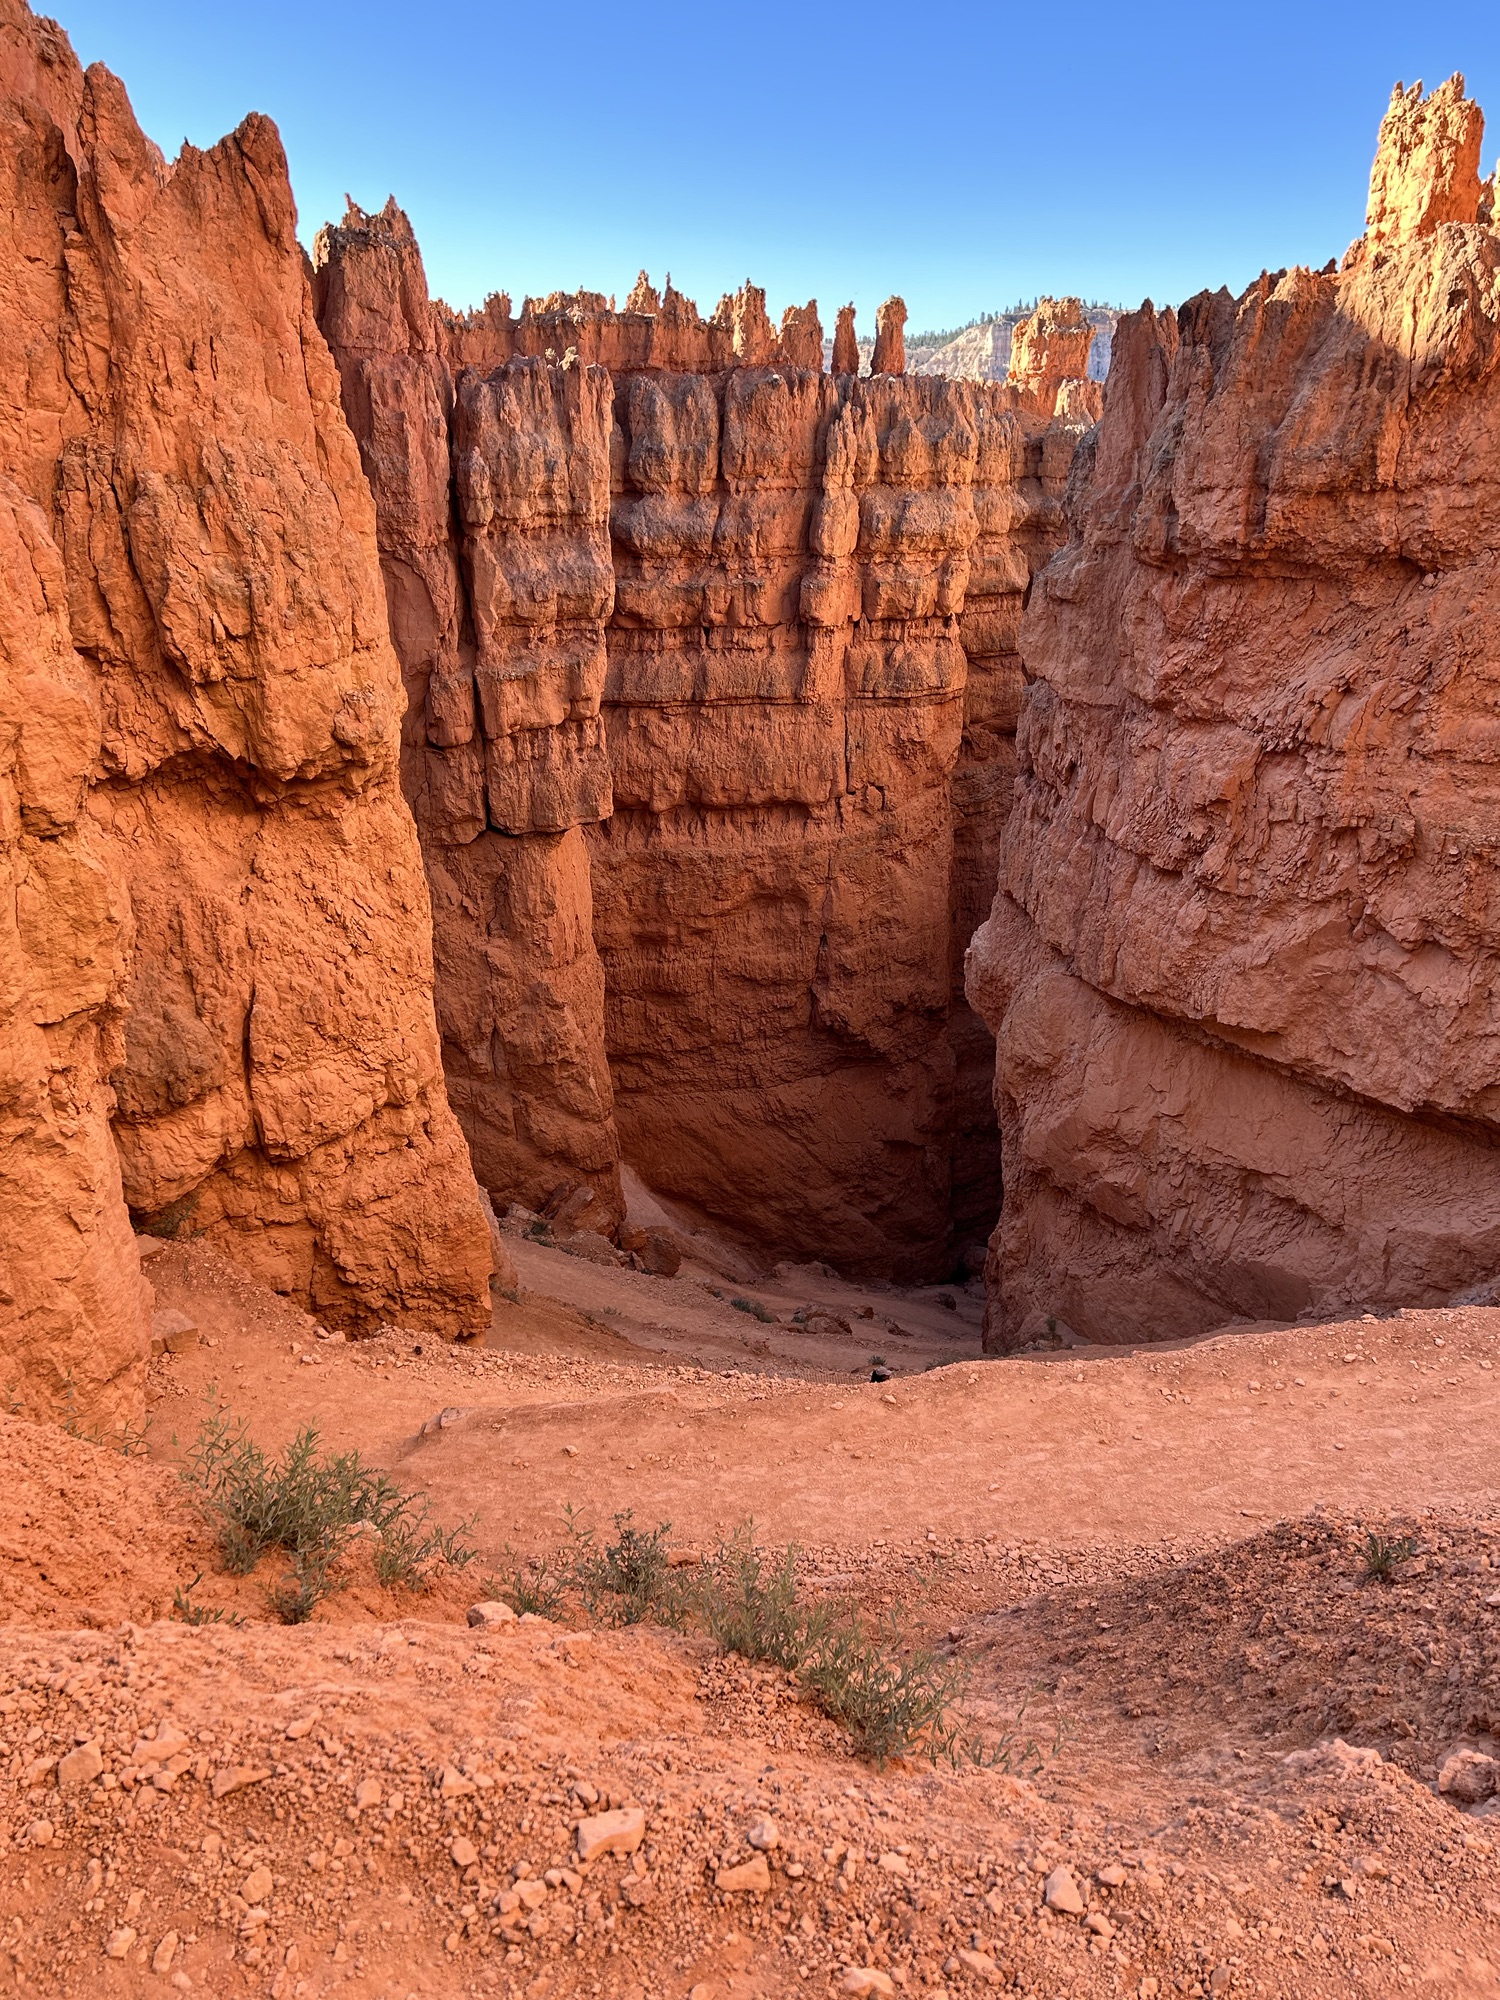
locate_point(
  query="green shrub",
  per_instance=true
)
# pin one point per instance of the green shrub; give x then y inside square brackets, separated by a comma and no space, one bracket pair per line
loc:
[312,1505]
[630,1580]
[755,1309]
[1384,1558]
[751,1604]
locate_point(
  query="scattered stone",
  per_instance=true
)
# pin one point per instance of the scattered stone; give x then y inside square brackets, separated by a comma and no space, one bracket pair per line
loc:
[462,1851]
[235,1777]
[444,1420]
[763,1835]
[454,1785]
[979,1963]
[1111,1877]
[174,1330]
[617,1832]
[40,1832]
[1469,1777]
[860,1980]
[368,1792]
[118,1943]
[752,1876]
[1060,1892]
[257,1885]
[491,1614]
[80,1766]
[165,1952]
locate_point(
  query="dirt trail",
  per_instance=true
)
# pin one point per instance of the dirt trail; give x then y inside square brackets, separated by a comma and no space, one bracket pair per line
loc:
[1151,1561]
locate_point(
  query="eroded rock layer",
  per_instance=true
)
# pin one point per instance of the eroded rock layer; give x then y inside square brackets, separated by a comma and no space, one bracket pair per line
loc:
[712,668]
[1244,960]
[215,921]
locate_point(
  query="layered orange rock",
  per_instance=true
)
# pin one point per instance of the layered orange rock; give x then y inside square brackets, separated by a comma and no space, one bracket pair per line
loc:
[791,599]
[1244,959]
[215,921]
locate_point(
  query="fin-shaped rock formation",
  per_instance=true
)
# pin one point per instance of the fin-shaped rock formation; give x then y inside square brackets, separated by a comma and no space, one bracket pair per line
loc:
[1245,957]
[712,673]
[215,971]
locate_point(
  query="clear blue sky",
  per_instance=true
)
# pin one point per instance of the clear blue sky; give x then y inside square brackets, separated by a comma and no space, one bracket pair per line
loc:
[961,154]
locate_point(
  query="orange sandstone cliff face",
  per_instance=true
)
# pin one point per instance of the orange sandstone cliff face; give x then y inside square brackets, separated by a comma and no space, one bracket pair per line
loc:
[1243,962]
[712,669]
[216,981]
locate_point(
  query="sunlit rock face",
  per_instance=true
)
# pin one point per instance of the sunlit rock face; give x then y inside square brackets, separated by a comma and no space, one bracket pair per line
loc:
[216,984]
[1242,965]
[712,665]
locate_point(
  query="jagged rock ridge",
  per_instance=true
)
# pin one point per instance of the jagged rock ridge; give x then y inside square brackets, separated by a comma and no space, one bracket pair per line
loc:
[215,974]
[1243,964]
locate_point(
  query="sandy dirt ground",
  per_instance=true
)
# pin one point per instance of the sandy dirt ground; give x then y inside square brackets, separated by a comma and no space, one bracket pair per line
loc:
[1150,1564]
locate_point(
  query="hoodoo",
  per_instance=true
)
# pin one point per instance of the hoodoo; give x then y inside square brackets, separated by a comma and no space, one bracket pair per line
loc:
[215,1003]
[1243,962]
[712,675]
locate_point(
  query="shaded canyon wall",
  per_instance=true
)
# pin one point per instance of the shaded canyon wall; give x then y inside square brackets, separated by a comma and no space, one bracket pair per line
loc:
[1243,963]
[712,675]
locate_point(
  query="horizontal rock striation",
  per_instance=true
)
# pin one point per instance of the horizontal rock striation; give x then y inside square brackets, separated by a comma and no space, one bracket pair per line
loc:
[763,646]
[1243,964]
[217,973]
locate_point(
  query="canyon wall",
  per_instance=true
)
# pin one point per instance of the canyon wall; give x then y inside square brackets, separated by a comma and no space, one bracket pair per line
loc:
[216,978]
[1243,962]
[712,676]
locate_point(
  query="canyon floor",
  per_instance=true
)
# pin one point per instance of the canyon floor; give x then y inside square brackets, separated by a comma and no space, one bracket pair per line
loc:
[1150,1561]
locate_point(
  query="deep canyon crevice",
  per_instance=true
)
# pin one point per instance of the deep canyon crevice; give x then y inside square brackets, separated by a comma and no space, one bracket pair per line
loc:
[538,744]
[712,668]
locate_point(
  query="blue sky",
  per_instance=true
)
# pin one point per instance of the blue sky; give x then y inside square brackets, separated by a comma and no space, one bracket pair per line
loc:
[964,155]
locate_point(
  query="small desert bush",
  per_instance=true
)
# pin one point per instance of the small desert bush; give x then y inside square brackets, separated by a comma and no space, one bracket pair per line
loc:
[751,1605]
[629,1581]
[1386,1557]
[313,1506]
[894,1699]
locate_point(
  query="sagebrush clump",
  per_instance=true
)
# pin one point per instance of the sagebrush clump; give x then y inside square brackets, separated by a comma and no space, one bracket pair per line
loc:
[313,1506]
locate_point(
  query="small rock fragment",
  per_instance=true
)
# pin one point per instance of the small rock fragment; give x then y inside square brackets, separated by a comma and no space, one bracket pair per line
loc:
[235,1777]
[462,1851]
[617,1832]
[165,1952]
[257,1885]
[368,1792]
[118,1943]
[1061,1893]
[80,1766]
[860,1980]
[753,1876]
[1468,1777]
[176,1332]
[979,1963]
[491,1613]
[1111,1877]
[762,1834]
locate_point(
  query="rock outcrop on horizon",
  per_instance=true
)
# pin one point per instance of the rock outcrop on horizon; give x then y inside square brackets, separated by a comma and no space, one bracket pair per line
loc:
[757,623]
[1243,962]
[216,979]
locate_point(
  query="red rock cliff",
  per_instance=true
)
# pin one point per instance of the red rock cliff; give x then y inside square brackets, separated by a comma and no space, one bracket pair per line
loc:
[215,922]
[790,599]
[1243,964]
